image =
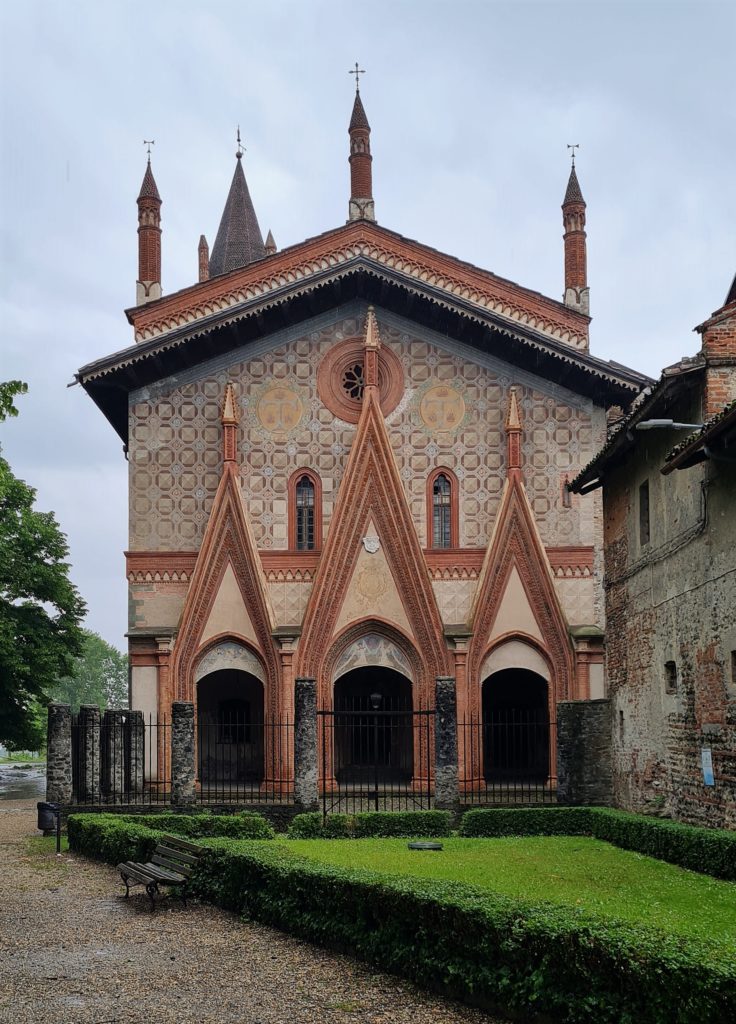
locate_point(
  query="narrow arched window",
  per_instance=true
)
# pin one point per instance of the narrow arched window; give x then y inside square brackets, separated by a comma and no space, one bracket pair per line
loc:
[305,514]
[441,512]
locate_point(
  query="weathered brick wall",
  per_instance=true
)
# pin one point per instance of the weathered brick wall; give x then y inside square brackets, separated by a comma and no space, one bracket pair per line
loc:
[584,752]
[672,600]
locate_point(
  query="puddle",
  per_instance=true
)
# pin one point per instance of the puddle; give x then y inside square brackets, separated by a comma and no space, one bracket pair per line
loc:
[20,781]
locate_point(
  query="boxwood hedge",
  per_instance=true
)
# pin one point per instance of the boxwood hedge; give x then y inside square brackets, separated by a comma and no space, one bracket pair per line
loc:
[245,825]
[484,948]
[375,824]
[710,851]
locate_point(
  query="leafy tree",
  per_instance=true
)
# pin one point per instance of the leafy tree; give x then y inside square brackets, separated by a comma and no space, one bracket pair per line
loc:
[99,676]
[40,608]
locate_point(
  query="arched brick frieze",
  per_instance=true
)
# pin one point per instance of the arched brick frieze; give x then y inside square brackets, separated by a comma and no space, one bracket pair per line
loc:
[228,542]
[414,667]
[516,544]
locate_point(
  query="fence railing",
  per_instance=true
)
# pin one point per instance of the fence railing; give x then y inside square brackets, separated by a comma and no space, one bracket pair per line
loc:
[375,759]
[507,757]
[240,760]
[121,759]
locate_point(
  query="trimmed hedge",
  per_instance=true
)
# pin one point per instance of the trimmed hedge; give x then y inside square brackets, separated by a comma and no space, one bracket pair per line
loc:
[487,949]
[245,825]
[373,824]
[710,851]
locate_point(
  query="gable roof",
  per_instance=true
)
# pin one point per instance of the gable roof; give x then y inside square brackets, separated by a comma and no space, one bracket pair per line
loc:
[363,260]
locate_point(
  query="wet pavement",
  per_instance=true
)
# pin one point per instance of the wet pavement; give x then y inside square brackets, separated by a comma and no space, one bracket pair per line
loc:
[22,781]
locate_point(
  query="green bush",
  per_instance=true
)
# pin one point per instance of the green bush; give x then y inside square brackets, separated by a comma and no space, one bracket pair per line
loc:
[403,824]
[373,824]
[710,851]
[246,825]
[487,949]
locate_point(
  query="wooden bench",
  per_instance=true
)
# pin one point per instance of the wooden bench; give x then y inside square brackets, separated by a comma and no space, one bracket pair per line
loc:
[172,863]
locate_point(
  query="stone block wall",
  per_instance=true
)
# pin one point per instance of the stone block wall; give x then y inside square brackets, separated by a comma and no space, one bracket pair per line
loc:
[584,773]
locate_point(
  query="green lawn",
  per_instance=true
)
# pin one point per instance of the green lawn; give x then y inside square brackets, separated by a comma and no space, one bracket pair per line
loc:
[574,870]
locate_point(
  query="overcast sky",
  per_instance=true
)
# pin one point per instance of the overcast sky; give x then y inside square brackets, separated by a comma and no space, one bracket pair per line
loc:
[471,106]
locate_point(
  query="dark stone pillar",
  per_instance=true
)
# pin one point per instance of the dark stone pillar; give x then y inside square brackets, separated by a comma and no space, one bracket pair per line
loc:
[306,787]
[584,761]
[445,745]
[182,752]
[59,754]
[136,741]
[88,778]
[113,756]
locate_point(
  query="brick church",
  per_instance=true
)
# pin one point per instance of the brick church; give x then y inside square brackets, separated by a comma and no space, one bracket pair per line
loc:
[349,462]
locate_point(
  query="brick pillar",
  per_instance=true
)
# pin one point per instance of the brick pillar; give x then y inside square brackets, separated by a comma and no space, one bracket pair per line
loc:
[59,754]
[182,752]
[306,788]
[88,780]
[445,745]
[113,756]
[137,742]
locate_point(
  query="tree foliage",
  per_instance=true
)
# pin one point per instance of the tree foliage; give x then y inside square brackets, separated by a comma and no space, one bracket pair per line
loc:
[40,608]
[99,676]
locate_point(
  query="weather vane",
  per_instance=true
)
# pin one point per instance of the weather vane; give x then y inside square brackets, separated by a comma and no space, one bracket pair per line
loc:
[240,149]
[573,148]
[149,143]
[357,71]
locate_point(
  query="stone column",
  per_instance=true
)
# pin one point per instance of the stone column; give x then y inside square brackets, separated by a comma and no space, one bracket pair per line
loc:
[59,754]
[306,787]
[88,779]
[445,745]
[182,752]
[136,740]
[584,756]
[113,756]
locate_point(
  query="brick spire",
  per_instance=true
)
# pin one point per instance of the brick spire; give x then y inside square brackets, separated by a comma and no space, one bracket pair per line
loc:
[361,184]
[148,285]
[239,240]
[371,348]
[577,293]
[229,417]
[203,255]
[513,429]
[270,244]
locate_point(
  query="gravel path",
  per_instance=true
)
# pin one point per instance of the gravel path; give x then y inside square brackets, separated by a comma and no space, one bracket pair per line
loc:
[73,951]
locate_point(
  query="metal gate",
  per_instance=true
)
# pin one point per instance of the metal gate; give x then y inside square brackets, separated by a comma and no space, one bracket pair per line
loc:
[376,759]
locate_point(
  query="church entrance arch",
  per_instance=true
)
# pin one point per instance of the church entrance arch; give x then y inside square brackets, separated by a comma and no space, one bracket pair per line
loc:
[373,726]
[230,748]
[516,727]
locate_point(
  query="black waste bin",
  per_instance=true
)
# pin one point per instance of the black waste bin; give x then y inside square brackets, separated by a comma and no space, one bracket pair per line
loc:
[47,815]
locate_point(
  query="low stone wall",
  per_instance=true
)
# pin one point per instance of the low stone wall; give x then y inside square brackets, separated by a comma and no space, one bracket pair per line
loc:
[584,766]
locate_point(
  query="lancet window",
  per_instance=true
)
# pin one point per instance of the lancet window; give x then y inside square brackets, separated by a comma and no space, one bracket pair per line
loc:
[305,511]
[442,512]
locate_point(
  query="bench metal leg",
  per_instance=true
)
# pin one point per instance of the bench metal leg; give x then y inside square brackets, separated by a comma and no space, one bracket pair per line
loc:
[127,884]
[152,889]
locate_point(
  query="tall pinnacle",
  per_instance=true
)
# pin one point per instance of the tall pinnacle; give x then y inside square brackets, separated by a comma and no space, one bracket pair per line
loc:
[239,240]
[148,285]
[361,182]
[577,293]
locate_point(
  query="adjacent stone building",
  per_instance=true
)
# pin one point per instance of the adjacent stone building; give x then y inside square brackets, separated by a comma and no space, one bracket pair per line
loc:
[349,462]
[670,583]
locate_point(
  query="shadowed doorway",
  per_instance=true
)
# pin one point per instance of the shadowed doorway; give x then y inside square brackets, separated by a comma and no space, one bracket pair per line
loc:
[230,728]
[515,727]
[373,724]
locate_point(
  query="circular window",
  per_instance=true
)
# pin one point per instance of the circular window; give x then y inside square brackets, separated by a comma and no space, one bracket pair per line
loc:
[341,380]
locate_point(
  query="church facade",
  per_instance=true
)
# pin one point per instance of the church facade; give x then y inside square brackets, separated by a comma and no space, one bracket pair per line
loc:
[349,462]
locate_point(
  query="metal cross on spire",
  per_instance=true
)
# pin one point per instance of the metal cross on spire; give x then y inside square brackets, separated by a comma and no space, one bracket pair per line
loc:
[573,147]
[241,149]
[149,143]
[357,71]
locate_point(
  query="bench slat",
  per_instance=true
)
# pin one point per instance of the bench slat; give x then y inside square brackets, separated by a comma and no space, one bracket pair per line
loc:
[177,855]
[160,874]
[135,871]
[183,844]
[172,865]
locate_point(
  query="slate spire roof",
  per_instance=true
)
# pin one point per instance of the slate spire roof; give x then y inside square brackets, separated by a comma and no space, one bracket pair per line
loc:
[359,118]
[149,189]
[573,194]
[239,240]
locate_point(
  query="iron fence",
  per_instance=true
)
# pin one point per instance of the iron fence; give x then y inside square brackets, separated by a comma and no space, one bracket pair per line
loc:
[121,759]
[244,760]
[507,758]
[375,759]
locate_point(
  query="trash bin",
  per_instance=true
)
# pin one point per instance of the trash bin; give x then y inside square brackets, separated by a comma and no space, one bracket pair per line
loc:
[47,814]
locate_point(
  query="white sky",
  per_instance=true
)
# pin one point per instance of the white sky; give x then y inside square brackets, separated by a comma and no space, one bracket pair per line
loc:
[471,105]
